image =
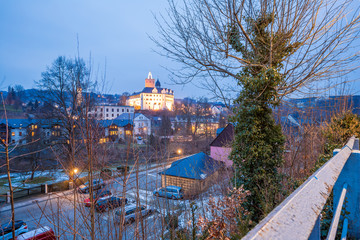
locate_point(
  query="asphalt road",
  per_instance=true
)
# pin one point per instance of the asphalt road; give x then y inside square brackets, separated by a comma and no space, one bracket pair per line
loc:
[58,212]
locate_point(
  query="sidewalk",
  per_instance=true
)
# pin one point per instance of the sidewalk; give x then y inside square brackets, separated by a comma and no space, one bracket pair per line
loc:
[49,196]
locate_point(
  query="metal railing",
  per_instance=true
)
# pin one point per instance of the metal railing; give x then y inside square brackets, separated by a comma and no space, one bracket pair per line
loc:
[298,216]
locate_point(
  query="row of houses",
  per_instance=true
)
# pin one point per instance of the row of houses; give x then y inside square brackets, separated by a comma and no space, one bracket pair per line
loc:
[126,124]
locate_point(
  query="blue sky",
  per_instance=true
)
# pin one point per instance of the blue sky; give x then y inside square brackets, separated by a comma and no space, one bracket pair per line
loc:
[33,33]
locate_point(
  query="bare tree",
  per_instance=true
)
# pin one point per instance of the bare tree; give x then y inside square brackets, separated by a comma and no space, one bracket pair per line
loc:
[200,35]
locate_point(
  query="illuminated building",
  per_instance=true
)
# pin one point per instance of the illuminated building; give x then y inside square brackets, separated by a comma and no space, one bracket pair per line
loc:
[108,112]
[152,97]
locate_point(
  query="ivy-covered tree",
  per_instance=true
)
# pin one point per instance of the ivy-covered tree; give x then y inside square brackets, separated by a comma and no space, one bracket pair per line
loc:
[259,142]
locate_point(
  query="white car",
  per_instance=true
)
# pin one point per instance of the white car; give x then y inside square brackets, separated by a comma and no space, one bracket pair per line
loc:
[6,229]
[132,212]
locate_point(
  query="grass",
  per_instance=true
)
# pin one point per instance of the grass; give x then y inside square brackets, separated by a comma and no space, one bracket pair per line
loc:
[38,180]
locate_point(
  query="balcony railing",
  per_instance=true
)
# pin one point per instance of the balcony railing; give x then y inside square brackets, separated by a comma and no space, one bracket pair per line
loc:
[298,216]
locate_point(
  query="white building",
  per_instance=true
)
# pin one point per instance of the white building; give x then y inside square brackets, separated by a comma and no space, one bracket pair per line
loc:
[109,112]
[152,97]
[141,123]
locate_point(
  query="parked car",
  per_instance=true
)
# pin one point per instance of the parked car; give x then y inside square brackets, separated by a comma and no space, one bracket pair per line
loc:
[173,192]
[132,212]
[96,185]
[108,203]
[122,169]
[6,229]
[43,233]
[99,195]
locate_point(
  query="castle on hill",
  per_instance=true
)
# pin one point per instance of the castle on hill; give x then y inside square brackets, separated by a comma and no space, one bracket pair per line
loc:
[152,97]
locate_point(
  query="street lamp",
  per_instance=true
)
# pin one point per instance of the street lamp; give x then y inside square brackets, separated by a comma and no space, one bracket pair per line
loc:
[179,151]
[75,170]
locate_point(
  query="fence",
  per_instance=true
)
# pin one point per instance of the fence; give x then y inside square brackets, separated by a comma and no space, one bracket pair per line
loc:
[298,216]
[44,188]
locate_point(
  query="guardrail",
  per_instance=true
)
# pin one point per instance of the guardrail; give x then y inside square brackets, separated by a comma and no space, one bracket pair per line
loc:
[298,216]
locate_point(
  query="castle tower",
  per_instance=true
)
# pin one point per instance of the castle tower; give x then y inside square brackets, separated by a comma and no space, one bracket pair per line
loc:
[149,81]
[157,84]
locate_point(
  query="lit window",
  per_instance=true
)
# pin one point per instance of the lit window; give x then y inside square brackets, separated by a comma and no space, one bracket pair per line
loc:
[13,134]
[32,134]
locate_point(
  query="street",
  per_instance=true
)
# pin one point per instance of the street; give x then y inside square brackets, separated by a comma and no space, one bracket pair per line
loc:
[58,212]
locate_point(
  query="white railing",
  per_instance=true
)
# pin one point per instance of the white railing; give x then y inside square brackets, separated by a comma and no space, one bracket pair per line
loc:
[298,216]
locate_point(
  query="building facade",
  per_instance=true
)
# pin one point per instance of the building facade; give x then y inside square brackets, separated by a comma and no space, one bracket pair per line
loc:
[141,123]
[109,112]
[152,97]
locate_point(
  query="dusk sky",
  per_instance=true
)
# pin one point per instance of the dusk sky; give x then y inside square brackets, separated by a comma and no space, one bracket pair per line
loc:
[34,33]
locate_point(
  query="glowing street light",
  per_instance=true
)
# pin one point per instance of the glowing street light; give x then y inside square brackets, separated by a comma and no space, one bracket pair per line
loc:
[75,170]
[179,151]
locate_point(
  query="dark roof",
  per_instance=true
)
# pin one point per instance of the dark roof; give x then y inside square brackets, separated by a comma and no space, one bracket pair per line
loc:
[197,166]
[19,122]
[117,122]
[150,90]
[129,116]
[225,137]
[157,84]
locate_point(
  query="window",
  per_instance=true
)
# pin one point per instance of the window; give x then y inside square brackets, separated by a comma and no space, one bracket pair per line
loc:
[118,110]
[112,110]
[95,109]
[13,134]
[127,110]
[20,133]
[122,110]
[107,115]
[32,134]
[112,115]
[107,109]
[118,115]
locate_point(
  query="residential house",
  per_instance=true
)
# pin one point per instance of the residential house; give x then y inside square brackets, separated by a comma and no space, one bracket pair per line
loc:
[114,130]
[220,147]
[141,123]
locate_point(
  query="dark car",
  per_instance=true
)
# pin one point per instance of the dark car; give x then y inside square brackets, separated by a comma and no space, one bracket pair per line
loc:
[131,212]
[122,169]
[109,203]
[99,195]
[96,185]
[6,229]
